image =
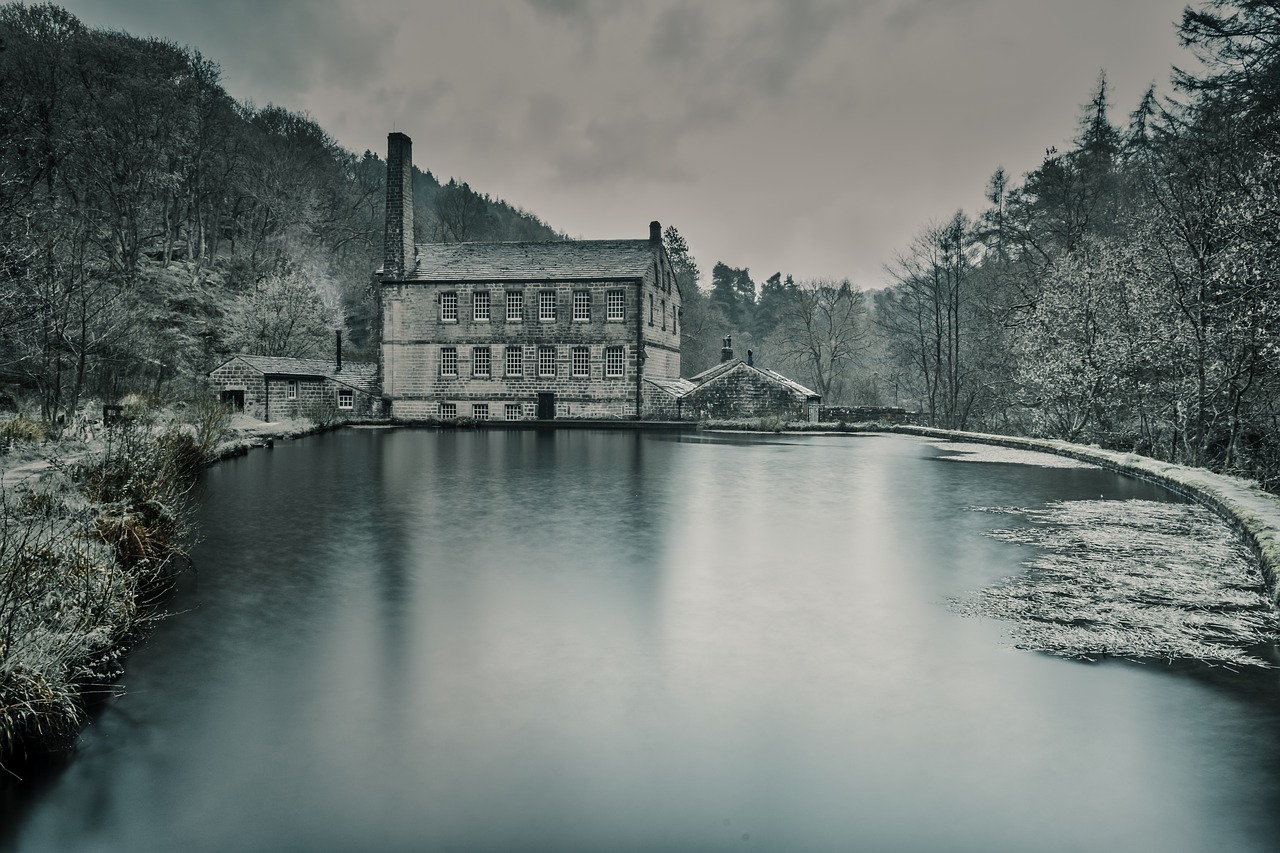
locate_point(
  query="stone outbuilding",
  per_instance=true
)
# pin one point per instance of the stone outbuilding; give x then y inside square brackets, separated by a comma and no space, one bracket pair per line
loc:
[272,388]
[732,390]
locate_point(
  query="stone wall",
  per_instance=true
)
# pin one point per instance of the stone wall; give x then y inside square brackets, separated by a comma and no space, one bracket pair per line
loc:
[658,405]
[269,398]
[235,375]
[744,393]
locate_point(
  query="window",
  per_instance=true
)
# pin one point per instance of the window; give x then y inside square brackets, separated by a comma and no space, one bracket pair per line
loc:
[674,316]
[515,361]
[613,361]
[346,399]
[664,315]
[546,361]
[513,412]
[480,361]
[515,306]
[291,389]
[615,305]
[546,305]
[480,306]
[448,410]
[480,411]
[582,306]
[449,361]
[448,308]
[580,363]
[650,309]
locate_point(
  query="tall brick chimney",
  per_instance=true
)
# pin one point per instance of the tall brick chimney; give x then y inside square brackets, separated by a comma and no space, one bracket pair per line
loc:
[655,233]
[398,253]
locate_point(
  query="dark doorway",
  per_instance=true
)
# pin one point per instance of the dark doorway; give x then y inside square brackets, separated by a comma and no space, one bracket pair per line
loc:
[234,399]
[546,405]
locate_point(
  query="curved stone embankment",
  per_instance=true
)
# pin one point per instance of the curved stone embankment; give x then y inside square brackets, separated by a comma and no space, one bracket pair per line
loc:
[1254,513]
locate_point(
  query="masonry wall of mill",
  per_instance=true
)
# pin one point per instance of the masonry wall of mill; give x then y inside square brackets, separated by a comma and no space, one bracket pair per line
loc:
[416,335]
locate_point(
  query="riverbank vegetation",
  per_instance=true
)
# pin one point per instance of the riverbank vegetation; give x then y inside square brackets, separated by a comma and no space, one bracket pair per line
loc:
[87,549]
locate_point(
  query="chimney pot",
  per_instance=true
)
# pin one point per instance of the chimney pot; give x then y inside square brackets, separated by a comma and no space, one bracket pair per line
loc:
[338,351]
[726,352]
[655,233]
[750,359]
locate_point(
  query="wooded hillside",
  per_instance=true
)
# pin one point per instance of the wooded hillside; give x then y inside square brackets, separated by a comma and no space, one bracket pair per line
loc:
[151,224]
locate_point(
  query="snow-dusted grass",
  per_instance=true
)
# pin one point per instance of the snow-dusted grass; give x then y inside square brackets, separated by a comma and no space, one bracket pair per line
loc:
[969,452]
[1253,512]
[1133,579]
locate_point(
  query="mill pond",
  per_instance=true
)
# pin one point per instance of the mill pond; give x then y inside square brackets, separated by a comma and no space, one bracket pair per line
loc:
[574,640]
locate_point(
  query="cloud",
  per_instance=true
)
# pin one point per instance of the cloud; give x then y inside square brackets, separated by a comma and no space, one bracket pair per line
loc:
[680,34]
[268,51]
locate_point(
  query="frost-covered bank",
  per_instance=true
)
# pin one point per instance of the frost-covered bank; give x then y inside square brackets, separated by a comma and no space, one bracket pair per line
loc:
[1134,579]
[1253,512]
[85,551]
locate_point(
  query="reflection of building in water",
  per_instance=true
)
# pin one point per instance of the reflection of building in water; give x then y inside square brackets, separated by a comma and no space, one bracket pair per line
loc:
[515,331]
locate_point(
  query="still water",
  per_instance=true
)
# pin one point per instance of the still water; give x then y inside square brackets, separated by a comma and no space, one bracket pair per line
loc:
[415,640]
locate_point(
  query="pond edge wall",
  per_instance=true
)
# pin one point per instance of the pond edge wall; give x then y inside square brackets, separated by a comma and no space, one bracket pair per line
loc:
[1253,513]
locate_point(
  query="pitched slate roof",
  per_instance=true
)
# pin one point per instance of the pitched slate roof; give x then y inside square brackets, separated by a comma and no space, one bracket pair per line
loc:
[360,375]
[713,373]
[544,261]
[674,387]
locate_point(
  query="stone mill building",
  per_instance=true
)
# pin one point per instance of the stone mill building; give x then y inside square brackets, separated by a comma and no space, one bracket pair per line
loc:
[520,331]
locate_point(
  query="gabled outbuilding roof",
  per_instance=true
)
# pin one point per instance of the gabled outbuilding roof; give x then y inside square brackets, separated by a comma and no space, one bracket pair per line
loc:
[360,375]
[674,387]
[681,387]
[533,261]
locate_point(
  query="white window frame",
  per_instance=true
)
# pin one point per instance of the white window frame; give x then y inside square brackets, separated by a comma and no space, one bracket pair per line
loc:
[291,389]
[582,306]
[448,411]
[480,305]
[514,412]
[478,355]
[580,362]
[448,356]
[346,398]
[546,366]
[615,362]
[480,411]
[516,355]
[515,306]
[449,307]
[546,306]
[615,306]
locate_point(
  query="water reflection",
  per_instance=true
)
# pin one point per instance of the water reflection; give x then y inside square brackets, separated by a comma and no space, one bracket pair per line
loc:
[581,641]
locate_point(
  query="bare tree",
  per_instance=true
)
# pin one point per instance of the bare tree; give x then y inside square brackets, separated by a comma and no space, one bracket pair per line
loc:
[820,332]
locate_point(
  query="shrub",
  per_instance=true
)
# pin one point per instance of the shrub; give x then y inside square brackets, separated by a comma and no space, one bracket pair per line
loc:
[23,428]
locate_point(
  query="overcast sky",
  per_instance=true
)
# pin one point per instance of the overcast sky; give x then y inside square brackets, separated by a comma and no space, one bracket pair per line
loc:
[812,138]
